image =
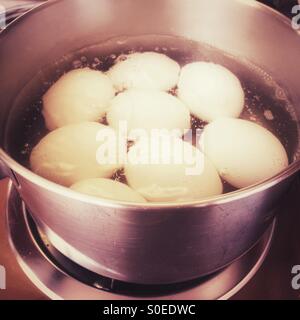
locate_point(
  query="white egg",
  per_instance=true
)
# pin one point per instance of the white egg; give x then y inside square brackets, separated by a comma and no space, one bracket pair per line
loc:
[71,153]
[147,70]
[148,109]
[210,91]
[79,95]
[169,179]
[243,152]
[107,189]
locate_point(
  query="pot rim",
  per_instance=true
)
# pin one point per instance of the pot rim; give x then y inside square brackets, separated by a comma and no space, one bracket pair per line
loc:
[211,201]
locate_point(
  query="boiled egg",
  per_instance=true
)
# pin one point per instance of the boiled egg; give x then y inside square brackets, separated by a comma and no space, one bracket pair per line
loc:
[148,109]
[210,91]
[107,189]
[243,152]
[79,95]
[77,152]
[147,70]
[171,173]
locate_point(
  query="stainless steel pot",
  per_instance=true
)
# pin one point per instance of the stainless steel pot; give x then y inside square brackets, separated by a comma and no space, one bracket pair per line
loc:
[156,243]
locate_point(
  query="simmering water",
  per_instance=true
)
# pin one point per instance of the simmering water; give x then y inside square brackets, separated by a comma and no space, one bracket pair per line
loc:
[267,103]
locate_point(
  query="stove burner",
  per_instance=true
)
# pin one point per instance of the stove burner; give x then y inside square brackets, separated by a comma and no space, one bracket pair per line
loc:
[60,278]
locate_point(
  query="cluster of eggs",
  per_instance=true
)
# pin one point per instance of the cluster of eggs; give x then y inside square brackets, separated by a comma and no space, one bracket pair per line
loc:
[137,90]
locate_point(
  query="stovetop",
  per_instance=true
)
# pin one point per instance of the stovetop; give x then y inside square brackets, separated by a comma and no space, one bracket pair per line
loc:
[18,286]
[272,281]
